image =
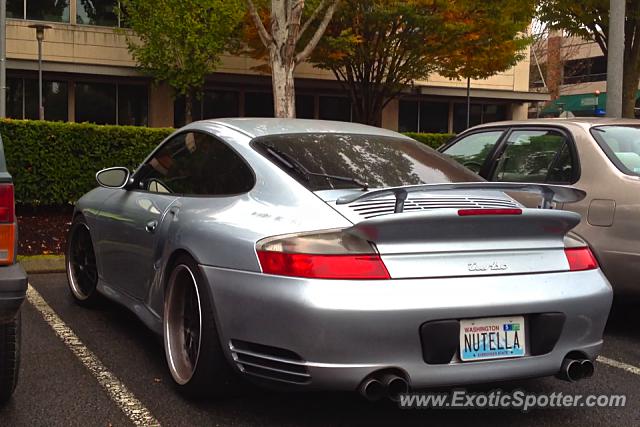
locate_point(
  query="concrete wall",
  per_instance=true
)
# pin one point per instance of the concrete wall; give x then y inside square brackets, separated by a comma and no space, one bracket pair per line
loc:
[90,45]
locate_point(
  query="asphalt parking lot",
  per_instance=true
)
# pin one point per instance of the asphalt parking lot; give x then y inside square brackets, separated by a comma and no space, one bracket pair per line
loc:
[57,388]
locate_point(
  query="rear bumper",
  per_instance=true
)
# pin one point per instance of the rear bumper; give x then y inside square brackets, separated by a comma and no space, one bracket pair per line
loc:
[13,288]
[342,331]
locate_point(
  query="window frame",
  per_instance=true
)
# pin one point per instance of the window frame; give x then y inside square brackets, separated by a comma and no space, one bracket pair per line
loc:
[502,146]
[135,182]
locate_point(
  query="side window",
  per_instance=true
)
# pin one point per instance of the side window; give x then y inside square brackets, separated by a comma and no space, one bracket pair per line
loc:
[472,151]
[535,156]
[194,163]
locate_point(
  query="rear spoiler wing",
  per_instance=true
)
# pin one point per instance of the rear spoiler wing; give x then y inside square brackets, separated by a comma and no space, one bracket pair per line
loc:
[549,193]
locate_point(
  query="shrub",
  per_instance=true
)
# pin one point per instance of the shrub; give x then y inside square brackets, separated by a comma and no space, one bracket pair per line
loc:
[54,163]
[433,140]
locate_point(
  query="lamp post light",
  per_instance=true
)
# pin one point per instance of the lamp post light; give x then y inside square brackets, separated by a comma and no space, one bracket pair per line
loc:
[40,37]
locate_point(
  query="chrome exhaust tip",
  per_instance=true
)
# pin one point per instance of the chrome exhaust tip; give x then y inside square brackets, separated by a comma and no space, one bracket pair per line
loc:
[587,368]
[372,389]
[571,370]
[395,386]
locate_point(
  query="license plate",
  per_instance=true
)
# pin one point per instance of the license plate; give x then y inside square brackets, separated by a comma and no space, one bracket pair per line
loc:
[492,338]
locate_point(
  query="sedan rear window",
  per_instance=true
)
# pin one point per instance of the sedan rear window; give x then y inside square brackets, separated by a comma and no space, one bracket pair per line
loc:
[622,145]
[353,160]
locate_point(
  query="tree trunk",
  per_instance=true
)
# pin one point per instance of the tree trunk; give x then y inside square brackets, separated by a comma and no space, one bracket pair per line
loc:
[630,81]
[371,104]
[284,95]
[188,107]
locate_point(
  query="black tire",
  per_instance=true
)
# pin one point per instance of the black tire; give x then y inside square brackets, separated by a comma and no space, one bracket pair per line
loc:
[81,265]
[10,337]
[205,373]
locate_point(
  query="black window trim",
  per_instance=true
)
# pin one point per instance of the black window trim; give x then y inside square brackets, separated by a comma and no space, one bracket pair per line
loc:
[132,186]
[607,150]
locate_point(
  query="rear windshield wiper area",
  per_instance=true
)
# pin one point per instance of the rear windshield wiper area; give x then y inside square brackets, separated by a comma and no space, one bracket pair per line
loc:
[292,164]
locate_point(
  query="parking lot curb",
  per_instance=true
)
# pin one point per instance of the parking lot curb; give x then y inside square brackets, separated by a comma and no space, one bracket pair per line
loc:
[42,265]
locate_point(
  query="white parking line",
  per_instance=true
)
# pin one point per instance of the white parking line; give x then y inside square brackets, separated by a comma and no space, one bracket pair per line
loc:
[620,365]
[117,391]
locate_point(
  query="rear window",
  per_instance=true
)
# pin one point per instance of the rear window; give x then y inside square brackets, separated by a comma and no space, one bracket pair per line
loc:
[622,145]
[376,160]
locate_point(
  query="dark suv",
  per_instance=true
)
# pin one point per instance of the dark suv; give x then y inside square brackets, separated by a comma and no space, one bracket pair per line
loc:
[13,286]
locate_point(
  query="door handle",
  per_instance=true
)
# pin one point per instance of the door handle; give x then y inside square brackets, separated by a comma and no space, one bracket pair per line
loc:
[151,226]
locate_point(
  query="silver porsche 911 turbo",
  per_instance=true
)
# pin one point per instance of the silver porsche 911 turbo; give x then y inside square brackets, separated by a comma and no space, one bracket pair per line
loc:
[324,255]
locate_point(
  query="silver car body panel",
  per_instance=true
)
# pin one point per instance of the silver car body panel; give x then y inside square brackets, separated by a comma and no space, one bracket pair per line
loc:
[346,329]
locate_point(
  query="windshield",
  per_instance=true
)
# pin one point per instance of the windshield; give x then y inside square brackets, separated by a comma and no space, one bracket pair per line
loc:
[376,160]
[622,145]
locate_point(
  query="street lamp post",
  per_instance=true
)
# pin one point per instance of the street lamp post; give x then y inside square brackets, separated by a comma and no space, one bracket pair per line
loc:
[40,37]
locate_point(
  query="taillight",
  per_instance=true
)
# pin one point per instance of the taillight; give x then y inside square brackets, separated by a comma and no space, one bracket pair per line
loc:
[325,255]
[7,224]
[7,210]
[580,259]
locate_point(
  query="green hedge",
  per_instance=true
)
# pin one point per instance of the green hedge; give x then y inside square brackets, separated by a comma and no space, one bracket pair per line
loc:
[433,140]
[54,163]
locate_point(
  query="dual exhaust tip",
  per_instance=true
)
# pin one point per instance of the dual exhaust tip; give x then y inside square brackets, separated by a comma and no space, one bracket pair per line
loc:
[573,370]
[391,386]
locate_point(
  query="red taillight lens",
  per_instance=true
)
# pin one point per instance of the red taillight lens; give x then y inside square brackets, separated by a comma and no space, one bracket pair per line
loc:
[7,210]
[474,212]
[323,255]
[7,225]
[360,267]
[581,259]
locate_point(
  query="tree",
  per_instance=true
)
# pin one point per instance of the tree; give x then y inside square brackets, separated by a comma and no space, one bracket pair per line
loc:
[378,48]
[287,42]
[493,39]
[180,41]
[589,19]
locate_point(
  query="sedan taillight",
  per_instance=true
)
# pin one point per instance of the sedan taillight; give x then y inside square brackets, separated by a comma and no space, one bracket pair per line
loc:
[7,224]
[325,255]
[581,259]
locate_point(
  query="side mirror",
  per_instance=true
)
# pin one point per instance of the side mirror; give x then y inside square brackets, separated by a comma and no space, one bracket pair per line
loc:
[116,177]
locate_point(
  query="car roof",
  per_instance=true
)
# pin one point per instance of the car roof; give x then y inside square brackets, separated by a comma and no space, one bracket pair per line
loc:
[584,122]
[256,127]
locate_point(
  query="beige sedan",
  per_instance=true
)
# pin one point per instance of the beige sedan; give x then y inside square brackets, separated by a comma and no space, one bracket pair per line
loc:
[600,156]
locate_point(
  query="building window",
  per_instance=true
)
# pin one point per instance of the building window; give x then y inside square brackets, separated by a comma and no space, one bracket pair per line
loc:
[423,116]
[39,10]
[305,107]
[213,105]
[107,103]
[220,103]
[22,99]
[48,10]
[480,113]
[335,108]
[99,12]
[133,105]
[585,70]
[408,116]
[15,9]
[258,104]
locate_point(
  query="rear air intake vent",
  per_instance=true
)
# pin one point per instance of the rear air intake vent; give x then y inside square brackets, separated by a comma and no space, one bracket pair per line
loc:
[270,363]
[385,205]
